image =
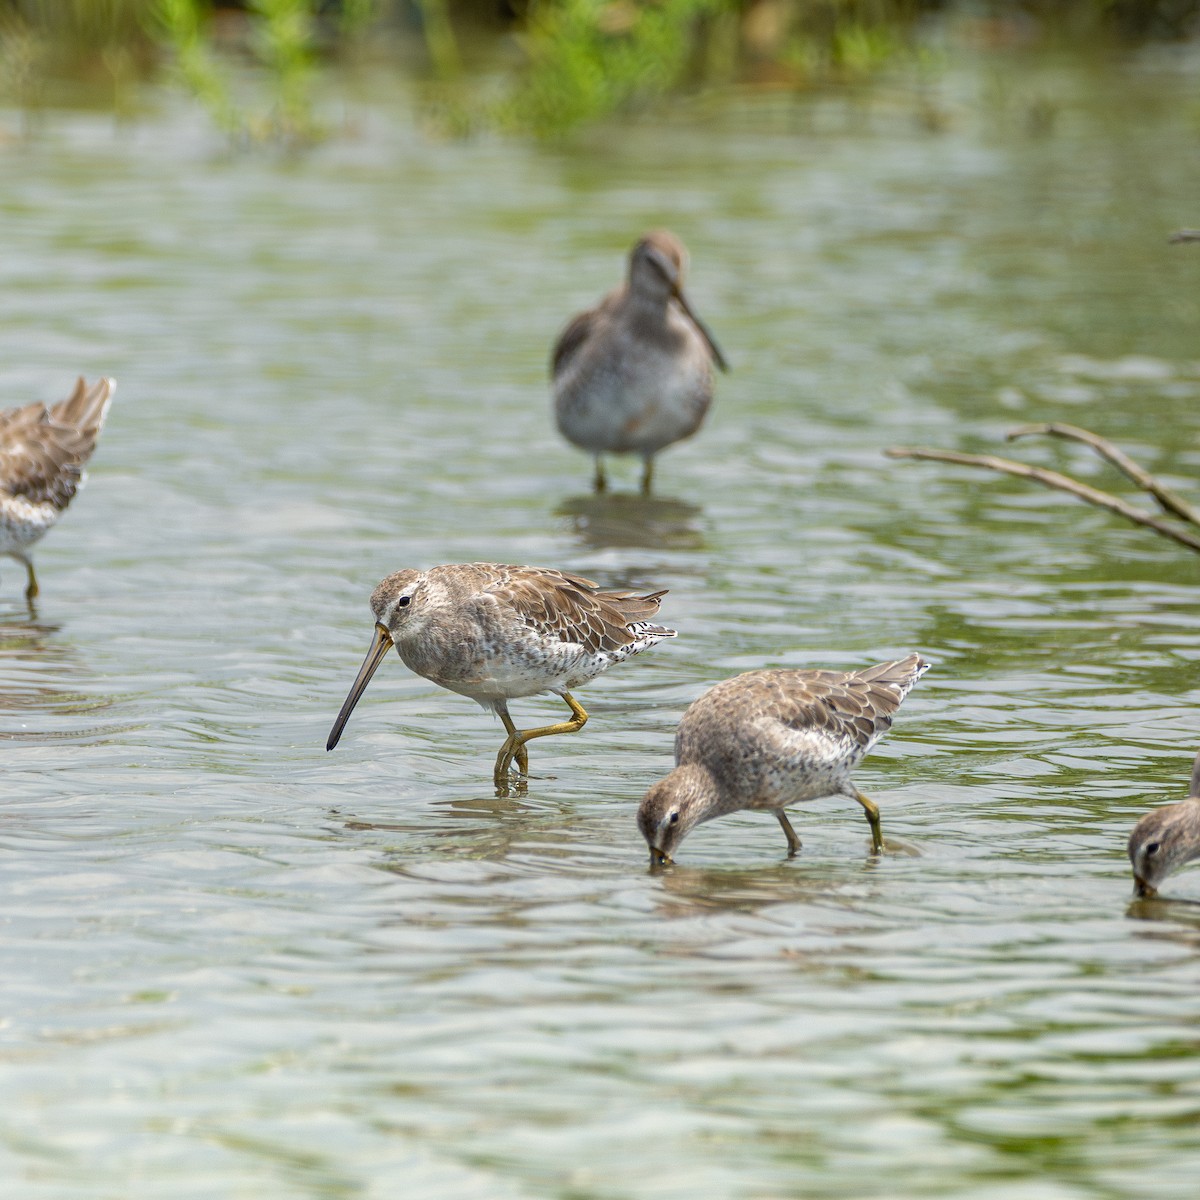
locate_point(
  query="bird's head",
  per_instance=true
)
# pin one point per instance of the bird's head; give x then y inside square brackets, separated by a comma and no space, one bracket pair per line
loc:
[673,807]
[397,604]
[1163,841]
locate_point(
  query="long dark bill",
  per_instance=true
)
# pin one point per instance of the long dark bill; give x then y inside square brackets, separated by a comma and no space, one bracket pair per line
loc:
[718,357]
[379,647]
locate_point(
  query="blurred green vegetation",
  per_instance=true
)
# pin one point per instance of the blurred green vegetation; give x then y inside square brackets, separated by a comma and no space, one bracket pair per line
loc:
[253,64]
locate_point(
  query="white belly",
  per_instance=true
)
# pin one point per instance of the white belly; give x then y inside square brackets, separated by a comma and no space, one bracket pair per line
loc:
[22,523]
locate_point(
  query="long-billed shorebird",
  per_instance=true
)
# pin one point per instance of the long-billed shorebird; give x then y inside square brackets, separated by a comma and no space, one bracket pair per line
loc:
[1166,839]
[634,374]
[768,739]
[42,456]
[497,633]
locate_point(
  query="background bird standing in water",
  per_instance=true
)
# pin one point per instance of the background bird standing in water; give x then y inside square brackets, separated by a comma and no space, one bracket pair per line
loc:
[634,374]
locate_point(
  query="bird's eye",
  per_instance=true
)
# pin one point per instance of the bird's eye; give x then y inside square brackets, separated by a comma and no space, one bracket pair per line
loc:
[674,818]
[1153,848]
[404,602]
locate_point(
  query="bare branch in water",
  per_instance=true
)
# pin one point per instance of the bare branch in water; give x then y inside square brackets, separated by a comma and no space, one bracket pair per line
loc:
[1184,235]
[1168,500]
[1055,480]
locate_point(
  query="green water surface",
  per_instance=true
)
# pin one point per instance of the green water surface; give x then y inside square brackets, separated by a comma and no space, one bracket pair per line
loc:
[234,965]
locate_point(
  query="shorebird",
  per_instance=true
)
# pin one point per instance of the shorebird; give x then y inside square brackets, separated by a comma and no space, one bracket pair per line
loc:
[1166,839]
[767,739]
[634,374]
[42,455]
[497,633]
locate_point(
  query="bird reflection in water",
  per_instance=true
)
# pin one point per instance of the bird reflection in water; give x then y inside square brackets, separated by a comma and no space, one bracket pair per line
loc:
[37,669]
[603,520]
[481,827]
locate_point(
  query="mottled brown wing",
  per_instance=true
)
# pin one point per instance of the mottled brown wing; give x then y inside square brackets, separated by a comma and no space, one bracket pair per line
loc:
[857,706]
[579,329]
[902,673]
[576,333]
[633,607]
[43,451]
[888,683]
[85,409]
[573,608]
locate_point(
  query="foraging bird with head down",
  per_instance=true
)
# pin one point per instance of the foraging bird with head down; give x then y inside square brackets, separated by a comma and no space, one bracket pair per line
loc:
[1166,839]
[634,374]
[496,633]
[42,455]
[768,739]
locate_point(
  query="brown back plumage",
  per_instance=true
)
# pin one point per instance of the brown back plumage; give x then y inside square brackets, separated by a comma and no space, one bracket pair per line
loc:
[576,609]
[579,329]
[43,450]
[849,710]
[858,705]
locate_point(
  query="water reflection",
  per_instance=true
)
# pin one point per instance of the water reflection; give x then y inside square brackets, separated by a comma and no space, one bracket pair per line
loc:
[688,891]
[26,648]
[22,632]
[375,951]
[1165,908]
[631,520]
[478,826]
[35,669]
[1172,921]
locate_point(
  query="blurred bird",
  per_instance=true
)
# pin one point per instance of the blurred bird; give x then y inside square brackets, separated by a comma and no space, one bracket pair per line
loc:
[42,455]
[1166,839]
[634,374]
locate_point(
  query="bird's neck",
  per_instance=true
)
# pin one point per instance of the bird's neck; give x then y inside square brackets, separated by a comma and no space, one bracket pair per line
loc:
[700,786]
[647,301]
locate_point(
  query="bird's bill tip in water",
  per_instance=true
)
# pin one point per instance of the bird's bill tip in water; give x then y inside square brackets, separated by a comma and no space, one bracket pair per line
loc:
[1142,890]
[659,858]
[380,645]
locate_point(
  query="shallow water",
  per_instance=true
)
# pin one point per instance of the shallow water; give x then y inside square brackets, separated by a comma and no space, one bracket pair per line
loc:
[235,965]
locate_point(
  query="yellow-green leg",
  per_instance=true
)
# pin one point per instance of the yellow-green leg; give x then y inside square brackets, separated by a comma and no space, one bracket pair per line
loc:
[512,749]
[514,745]
[599,482]
[872,820]
[788,832]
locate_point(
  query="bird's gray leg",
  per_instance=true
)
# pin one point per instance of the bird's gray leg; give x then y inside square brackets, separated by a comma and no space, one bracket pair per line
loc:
[872,819]
[647,474]
[31,588]
[788,832]
[599,482]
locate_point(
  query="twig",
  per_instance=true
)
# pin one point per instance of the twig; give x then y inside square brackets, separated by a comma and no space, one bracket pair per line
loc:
[1167,499]
[1184,235]
[1052,479]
